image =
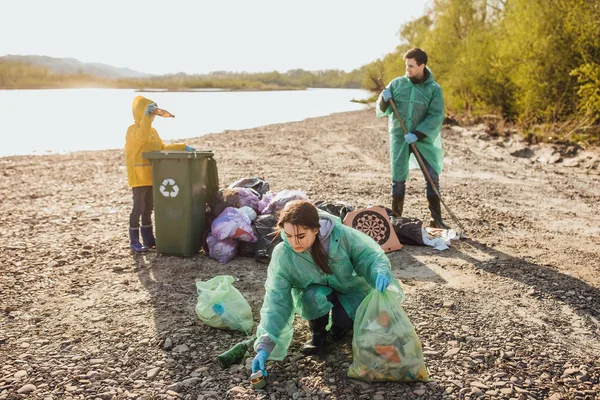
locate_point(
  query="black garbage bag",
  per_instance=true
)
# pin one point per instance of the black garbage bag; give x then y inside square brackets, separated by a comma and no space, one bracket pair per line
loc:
[247,249]
[259,185]
[408,230]
[339,209]
[220,201]
[266,242]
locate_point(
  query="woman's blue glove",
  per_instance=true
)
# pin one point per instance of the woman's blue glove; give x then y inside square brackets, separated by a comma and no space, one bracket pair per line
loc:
[382,282]
[410,138]
[259,361]
[386,94]
[188,148]
[151,109]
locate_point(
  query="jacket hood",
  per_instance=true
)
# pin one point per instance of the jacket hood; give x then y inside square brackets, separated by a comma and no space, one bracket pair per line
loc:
[327,223]
[139,107]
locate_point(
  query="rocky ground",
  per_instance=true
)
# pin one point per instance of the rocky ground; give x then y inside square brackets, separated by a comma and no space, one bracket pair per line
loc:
[510,313]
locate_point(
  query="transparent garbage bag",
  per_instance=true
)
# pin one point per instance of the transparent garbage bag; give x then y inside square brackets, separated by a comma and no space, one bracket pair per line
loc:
[222,306]
[385,346]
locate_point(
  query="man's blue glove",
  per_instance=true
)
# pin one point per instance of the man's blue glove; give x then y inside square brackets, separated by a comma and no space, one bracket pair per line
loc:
[382,282]
[386,94]
[188,148]
[259,361]
[151,109]
[410,138]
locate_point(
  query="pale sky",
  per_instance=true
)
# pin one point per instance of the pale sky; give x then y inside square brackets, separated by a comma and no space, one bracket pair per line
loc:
[172,36]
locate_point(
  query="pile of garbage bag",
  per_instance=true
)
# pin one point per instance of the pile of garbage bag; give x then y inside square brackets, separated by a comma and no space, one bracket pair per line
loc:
[243,217]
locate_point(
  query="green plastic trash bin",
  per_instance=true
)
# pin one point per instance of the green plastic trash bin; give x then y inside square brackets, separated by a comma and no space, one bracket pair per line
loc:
[182,184]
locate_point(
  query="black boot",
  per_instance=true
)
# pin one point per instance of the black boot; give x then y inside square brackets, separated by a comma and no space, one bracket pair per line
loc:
[318,334]
[148,237]
[397,205]
[436,213]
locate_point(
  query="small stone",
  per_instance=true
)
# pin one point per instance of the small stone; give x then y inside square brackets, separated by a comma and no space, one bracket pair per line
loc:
[571,371]
[507,391]
[20,374]
[452,352]
[419,392]
[96,361]
[479,385]
[237,390]
[168,344]
[151,374]
[521,390]
[182,348]
[27,389]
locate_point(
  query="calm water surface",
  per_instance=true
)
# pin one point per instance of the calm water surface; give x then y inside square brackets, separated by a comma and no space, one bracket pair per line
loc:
[64,120]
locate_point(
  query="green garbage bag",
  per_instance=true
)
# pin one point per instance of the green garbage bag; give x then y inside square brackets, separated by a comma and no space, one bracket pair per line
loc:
[221,305]
[385,346]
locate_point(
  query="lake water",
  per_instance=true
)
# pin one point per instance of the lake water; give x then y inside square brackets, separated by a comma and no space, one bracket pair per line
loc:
[64,120]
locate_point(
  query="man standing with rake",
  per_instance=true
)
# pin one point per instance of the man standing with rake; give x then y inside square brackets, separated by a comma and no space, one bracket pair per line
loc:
[420,103]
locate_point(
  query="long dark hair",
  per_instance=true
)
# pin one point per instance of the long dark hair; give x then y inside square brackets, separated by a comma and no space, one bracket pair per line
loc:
[303,213]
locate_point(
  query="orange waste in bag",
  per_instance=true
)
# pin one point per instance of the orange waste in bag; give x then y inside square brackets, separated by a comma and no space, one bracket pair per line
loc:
[388,352]
[383,319]
[163,113]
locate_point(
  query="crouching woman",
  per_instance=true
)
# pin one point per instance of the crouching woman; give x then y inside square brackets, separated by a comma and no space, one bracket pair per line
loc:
[321,266]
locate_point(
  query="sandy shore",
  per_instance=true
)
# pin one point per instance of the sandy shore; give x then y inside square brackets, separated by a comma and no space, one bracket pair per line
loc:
[513,312]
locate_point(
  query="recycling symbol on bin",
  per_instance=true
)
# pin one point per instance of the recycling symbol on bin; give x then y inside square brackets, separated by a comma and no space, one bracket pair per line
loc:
[169,188]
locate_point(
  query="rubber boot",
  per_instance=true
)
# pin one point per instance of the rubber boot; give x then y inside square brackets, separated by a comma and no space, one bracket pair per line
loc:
[148,237]
[134,241]
[397,205]
[436,213]
[318,334]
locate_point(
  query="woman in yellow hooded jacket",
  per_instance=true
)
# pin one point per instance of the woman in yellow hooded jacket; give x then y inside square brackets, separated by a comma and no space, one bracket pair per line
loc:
[142,137]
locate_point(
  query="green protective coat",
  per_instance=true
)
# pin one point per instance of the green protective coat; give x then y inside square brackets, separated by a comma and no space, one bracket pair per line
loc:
[355,260]
[421,108]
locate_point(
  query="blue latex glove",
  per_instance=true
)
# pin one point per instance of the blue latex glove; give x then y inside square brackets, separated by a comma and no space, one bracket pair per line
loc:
[151,109]
[382,282]
[259,361]
[410,138]
[188,148]
[386,94]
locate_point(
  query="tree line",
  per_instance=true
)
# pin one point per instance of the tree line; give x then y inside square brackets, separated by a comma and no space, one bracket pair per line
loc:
[534,62]
[15,75]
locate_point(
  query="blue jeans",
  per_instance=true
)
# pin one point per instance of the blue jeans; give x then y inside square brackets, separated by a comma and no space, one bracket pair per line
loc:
[399,187]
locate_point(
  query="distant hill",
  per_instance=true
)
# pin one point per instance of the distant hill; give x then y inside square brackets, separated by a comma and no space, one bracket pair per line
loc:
[73,66]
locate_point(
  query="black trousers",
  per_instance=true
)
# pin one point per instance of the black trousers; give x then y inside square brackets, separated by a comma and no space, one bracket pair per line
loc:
[339,317]
[143,204]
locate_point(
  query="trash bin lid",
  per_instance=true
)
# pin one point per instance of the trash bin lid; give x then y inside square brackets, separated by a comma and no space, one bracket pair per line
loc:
[177,154]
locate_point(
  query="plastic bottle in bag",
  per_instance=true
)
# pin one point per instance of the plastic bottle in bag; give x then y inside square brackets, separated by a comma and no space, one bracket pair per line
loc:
[228,319]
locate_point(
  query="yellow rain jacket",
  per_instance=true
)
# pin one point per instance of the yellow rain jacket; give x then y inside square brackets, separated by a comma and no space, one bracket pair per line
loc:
[142,137]
[355,261]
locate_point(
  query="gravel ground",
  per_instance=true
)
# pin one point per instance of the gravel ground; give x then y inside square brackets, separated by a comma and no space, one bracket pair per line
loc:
[513,312]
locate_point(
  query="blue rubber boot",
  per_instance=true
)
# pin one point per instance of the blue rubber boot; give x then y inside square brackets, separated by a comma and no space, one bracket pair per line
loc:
[134,241]
[148,237]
